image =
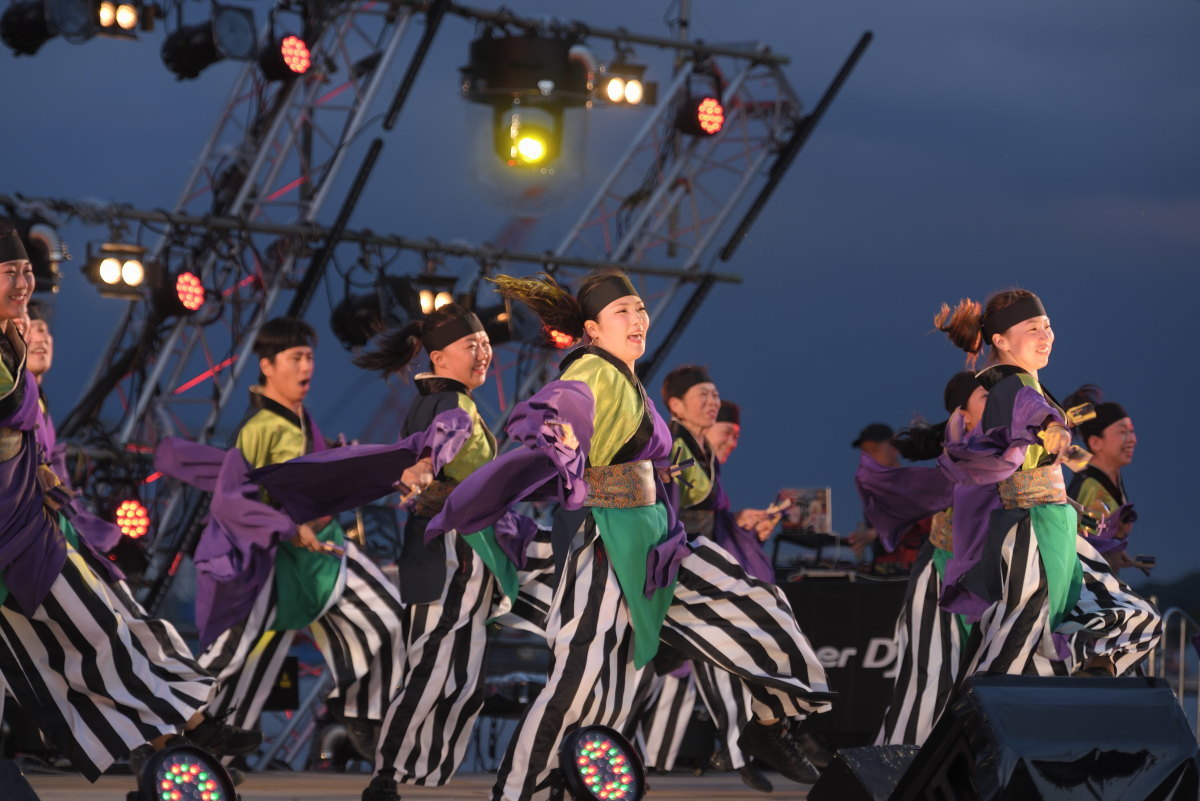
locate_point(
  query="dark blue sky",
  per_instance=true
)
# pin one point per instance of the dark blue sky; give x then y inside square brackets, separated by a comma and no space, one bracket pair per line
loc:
[979,145]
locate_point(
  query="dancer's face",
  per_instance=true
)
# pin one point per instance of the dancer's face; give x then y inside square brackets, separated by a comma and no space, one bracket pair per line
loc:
[1115,444]
[620,328]
[723,439]
[1026,344]
[289,374]
[466,359]
[697,408]
[973,410]
[16,287]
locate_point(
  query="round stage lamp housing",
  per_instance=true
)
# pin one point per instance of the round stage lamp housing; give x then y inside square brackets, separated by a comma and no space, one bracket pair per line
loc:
[184,773]
[598,763]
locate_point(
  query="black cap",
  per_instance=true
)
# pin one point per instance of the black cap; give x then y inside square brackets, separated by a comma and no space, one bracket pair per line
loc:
[729,412]
[875,432]
[959,389]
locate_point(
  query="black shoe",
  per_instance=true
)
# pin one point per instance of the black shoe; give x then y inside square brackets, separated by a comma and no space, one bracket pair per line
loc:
[381,788]
[753,778]
[363,735]
[720,760]
[773,745]
[816,752]
[221,739]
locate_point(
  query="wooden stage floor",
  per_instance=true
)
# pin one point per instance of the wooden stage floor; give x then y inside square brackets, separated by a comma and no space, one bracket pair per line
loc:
[285,786]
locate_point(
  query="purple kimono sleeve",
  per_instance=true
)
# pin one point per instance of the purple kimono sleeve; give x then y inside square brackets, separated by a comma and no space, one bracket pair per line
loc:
[189,462]
[543,468]
[894,498]
[331,481]
[236,550]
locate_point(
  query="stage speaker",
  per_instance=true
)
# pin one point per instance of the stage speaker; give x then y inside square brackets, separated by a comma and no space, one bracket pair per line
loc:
[869,773]
[13,786]
[1025,738]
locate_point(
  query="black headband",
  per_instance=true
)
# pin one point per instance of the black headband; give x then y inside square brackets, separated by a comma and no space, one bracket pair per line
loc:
[451,331]
[1024,309]
[958,390]
[1106,415]
[729,412]
[12,248]
[681,379]
[595,298]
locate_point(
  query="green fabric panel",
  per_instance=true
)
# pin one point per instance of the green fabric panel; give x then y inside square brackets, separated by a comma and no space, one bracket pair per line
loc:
[305,579]
[267,438]
[628,535]
[478,450]
[701,484]
[7,381]
[940,558]
[1095,498]
[618,406]
[69,532]
[484,544]
[1054,526]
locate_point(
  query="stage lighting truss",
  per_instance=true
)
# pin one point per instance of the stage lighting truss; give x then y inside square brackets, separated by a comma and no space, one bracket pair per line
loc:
[701,112]
[117,18]
[598,763]
[25,27]
[622,81]
[230,34]
[118,270]
[184,773]
[132,518]
[528,81]
[434,291]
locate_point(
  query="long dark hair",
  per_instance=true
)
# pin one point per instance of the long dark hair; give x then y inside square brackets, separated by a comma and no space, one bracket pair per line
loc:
[920,440]
[395,348]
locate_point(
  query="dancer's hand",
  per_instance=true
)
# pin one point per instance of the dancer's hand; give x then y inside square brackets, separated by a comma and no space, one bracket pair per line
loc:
[306,538]
[419,476]
[1057,440]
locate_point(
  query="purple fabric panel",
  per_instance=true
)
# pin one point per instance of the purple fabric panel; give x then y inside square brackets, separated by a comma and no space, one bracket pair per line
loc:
[236,550]
[978,461]
[32,548]
[513,533]
[97,536]
[189,462]
[894,498]
[662,563]
[1106,540]
[543,468]
[333,480]
[973,507]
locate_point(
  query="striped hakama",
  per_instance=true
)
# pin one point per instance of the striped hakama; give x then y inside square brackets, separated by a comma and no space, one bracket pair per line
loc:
[100,679]
[360,635]
[718,615]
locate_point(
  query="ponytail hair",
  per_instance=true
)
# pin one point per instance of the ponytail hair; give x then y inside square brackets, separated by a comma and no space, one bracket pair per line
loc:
[970,326]
[549,300]
[395,348]
[964,326]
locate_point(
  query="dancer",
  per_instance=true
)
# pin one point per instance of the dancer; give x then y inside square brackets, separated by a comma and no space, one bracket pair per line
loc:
[593,440]
[929,640]
[692,399]
[1100,488]
[454,585]
[261,576]
[99,681]
[1018,568]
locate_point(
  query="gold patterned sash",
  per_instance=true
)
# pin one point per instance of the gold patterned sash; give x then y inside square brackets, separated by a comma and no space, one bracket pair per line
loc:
[1037,487]
[10,443]
[620,486]
[941,531]
[430,500]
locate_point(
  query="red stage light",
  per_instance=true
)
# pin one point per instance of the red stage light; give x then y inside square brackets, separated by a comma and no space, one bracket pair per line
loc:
[559,340]
[189,291]
[132,518]
[710,115]
[295,55]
